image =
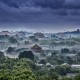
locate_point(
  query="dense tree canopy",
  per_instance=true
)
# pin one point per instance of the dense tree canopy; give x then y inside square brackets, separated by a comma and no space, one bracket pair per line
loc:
[26,54]
[65,50]
[1,55]
[12,40]
[16,69]
[10,50]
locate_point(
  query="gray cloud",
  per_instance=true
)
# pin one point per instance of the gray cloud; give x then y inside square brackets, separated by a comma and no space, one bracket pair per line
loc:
[38,3]
[54,4]
[49,3]
[38,10]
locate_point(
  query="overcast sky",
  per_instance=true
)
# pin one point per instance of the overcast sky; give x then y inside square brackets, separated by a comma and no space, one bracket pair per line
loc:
[40,15]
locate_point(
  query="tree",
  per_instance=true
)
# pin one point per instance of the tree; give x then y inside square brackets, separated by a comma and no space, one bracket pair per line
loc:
[16,69]
[42,62]
[54,53]
[65,50]
[69,60]
[63,69]
[33,38]
[10,50]
[78,54]
[78,30]
[1,55]
[26,54]
[66,78]
[77,77]
[12,40]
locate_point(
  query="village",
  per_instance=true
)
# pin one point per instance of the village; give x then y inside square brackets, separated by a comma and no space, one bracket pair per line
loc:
[50,49]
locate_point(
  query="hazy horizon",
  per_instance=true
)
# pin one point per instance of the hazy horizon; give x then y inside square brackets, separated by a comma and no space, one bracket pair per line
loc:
[40,15]
[36,27]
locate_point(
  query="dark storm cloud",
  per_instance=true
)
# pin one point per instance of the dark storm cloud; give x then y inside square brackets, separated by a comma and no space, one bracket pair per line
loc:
[72,4]
[37,10]
[54,4]
[39,3]
[49,3]
[40,13]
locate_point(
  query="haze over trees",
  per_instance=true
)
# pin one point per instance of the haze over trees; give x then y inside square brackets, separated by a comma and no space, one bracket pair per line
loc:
[39,58]
[26,54]
[12,40]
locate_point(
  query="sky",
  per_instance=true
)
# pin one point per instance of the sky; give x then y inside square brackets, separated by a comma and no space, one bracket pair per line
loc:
[40,15]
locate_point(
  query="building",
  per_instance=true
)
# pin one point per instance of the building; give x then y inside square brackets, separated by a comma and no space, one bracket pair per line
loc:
[21,34]
[69,75]
[39,35]
[36,49]
[75,66]
[5,33]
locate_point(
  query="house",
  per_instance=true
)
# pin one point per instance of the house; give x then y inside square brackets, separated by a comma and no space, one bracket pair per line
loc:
[36,49]
[21,34]
[75,66]
[5,33]
[71,75]
[3,45]
[39,35]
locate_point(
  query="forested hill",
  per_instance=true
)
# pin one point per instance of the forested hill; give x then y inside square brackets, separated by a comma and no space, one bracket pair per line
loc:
[25,69]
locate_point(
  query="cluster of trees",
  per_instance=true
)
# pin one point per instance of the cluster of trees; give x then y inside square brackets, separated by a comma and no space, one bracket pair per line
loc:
[65,55]
[26,54]
[65,50]
[16,69]
[26,69]
[12,40]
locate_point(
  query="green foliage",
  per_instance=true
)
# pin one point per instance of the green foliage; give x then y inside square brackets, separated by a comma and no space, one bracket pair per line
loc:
[26,69]
[26,54]
[65,50]
[33,39]
[66,78]
[1,55]
[63,69]
[12,40]
[42,62]
[16,69]
[77,77]
[10,50]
